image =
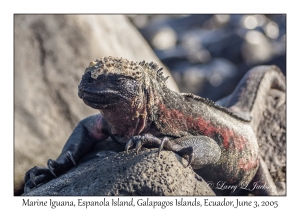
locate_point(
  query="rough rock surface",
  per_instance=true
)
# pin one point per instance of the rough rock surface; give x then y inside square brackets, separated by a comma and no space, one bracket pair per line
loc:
[51,53]
[129,175]
[272,139]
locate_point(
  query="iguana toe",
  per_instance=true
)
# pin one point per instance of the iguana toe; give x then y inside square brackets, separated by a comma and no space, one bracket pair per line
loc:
[152,141]
[70,156]
[141,140]
[138,146]
[50,164]
[28,186]
[191,156]
[128,145]
[35,177]
[32,178]
[161,146]
[137,140]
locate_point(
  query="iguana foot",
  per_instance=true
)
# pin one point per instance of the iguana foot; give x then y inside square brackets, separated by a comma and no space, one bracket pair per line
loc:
[184,151]
[35,177]
[149,140]
[40,175]
[60,166]
[140,140]
[205,150]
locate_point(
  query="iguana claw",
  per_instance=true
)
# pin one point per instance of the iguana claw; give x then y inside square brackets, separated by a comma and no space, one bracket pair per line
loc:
[191,156]
[140,140]
[49,164]
[154,141]
[70,156]
[161,146]
[32,177]
[138,146]
[128,145]
[35,177]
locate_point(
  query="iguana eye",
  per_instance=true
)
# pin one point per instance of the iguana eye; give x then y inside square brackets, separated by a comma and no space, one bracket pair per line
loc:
[118,81]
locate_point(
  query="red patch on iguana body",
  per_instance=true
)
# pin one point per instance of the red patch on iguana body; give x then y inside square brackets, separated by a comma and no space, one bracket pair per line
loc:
[190,123]
[97,129]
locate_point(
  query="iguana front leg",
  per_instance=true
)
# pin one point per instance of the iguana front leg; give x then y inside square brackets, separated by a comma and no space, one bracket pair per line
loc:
[200,151]
[83,138]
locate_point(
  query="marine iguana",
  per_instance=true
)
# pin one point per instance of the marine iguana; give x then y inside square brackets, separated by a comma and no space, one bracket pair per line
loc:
[137,109]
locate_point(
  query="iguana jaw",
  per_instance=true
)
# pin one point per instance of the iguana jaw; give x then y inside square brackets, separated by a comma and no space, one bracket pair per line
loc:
[106,91]
[102,99]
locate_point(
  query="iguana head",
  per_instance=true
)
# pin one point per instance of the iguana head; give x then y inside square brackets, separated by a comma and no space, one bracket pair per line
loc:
[103,87]
[109,81]
[122,90]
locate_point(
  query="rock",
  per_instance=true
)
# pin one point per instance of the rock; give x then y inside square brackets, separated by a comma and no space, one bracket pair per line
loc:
[130,174]
[271,137]
[51,53]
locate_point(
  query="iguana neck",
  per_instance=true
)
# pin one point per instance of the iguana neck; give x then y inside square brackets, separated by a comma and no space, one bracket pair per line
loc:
[134,114]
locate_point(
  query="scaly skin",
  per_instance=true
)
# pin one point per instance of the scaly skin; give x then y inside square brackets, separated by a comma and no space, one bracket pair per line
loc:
[136,108]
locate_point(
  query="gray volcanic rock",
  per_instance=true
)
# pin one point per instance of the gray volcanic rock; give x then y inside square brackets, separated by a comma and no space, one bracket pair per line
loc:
[271,137]
[119,174]
[51,54]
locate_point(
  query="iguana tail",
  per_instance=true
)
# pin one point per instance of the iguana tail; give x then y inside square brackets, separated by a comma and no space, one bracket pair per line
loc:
[249,98]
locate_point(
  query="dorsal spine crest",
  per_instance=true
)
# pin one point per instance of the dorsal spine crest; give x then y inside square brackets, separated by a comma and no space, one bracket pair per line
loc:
[213,104]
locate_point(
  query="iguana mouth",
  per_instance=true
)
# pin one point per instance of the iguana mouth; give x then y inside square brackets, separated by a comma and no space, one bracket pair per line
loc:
[101,99]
